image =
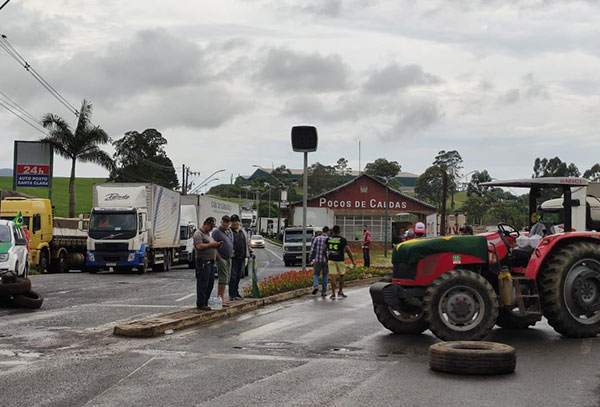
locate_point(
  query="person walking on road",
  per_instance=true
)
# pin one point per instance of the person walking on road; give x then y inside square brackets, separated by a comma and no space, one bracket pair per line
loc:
[334,248]
[241,251]
[206,251]
[320,263]
[366,246]
[224,235]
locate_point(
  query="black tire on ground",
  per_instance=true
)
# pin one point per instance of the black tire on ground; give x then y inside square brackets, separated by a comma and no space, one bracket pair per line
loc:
[473,358]
[168,261]
[570,290]
[29,299]
[21,286]
[510,320]
[400,322]
[143,269]
[460,305]
[43,262]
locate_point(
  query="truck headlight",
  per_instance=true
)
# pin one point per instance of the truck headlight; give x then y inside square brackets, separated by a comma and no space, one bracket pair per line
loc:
[4,256]
[131,257]
[91,257]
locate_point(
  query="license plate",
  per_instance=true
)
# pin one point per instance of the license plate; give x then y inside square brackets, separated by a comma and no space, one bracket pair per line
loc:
[111,264]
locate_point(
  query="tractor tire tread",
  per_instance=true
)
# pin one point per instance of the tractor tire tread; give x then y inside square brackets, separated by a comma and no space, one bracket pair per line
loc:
[492,359]
[396,326]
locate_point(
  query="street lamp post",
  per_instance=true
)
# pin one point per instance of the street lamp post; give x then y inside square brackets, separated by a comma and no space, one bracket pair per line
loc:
[385,233]
[204,182]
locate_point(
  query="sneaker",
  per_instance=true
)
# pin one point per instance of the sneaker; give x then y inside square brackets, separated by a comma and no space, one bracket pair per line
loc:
[315,291]
[323,295]
[332,296]
[204,308]
[340,294]
[238,298]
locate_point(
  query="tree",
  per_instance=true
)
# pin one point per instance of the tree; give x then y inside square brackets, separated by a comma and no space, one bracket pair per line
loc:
[451,162]
[81,145]
[141,157]
[474,186]
[383,168]
[593,174]
[342,167]
[321,178]
[554,167]
[429,186]
[475,208]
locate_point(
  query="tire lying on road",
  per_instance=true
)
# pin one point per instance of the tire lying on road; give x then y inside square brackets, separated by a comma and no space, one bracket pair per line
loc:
[9,289]
[30,299]
[472,357]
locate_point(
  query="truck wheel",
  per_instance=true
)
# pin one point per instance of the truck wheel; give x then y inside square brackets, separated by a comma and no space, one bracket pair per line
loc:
[570,290]
[62,264]
[400,322]
[29,299]
[143,269]
[460,305]
[476,358]
[509,319]
[168,262]
[43,262]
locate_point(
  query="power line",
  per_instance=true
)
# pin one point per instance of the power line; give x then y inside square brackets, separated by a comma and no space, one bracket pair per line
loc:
[15,105]
[5,3]
[23,118]
[4,44]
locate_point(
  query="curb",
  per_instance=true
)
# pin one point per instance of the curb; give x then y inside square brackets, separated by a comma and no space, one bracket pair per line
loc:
[157,325]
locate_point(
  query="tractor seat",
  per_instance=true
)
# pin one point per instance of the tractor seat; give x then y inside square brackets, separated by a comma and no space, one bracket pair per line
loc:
[520,255]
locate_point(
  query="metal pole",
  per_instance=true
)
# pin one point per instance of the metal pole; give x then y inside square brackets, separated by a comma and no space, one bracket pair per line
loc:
[183,180]
[304,199]
[385,240]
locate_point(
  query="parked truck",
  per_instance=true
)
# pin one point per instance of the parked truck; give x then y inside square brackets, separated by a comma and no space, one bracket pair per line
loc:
[133,225]
[194,210]
[56,244]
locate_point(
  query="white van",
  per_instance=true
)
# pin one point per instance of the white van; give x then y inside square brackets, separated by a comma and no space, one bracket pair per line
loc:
[292,243]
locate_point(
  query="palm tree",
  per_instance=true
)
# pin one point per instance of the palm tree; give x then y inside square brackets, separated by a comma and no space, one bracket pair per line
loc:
[80,145]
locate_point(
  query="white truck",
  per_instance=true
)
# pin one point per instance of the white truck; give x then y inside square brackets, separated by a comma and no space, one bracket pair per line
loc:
[194,210]
[314,216]
[133,225]
[292,243]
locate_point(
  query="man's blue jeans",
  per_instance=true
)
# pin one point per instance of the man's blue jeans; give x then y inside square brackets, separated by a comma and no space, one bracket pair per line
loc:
[205,280]
[318,267]
[237,271]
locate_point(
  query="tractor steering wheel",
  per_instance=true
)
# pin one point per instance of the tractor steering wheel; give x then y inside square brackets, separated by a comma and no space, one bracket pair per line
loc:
[506,229]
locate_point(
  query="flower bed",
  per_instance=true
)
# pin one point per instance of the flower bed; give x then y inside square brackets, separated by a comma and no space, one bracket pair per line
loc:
[295,279]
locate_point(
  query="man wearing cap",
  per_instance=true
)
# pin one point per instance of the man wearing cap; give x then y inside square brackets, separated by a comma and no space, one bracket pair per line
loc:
[241,252]
[223,234]
[206,251]
[420,230]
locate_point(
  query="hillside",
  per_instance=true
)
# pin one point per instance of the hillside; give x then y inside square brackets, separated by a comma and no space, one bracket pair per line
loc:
[60,193]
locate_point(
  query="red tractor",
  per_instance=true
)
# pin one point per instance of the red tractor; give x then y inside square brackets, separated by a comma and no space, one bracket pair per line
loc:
[459,287]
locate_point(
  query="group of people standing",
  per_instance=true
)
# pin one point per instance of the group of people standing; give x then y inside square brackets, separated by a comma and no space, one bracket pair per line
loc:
[226,249]
[327,254]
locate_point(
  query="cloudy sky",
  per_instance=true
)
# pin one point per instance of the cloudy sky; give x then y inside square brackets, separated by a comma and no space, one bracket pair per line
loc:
[501,81]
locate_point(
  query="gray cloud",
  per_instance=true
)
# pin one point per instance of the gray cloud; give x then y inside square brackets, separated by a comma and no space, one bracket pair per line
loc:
[413,118]
[510,97]
[28,30]
[285,70]
[530,89]
[395,77]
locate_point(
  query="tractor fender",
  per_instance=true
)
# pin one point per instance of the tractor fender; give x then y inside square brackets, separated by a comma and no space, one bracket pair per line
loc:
[551,244]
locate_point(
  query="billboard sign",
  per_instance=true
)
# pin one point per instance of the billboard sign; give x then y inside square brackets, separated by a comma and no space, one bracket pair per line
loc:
[32,164]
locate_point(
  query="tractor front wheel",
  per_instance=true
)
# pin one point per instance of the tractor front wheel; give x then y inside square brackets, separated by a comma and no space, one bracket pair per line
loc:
[398,321]
[460,305]
[570,290]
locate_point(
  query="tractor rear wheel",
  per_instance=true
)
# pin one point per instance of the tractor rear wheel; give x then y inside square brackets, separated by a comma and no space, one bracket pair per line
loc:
[400,322]
[460,305]
[508,319]
[570,290]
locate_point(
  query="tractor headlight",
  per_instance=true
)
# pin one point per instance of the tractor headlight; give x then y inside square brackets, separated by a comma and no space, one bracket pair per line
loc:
[4,256]
[91,257]
[131,257]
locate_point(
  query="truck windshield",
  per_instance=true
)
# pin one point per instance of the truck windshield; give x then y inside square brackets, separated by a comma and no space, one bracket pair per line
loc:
[4,233]
[185,232]
[295,236]
[123,225]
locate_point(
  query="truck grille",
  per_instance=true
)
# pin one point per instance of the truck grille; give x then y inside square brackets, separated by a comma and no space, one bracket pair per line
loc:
[112,247]
[111,257]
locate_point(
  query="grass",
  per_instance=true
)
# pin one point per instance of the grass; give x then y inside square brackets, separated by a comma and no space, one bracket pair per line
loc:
[60,193]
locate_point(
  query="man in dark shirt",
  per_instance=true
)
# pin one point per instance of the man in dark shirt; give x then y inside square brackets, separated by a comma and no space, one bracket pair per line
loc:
[334,249]
[241,252]
[223,262]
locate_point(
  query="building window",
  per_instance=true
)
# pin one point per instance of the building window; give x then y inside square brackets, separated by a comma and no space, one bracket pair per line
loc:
[352,226]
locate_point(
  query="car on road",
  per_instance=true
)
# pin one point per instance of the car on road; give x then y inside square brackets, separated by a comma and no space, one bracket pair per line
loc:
[14,257]
[257,241]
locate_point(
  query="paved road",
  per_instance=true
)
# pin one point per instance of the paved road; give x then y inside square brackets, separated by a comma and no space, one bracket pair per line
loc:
[303,352]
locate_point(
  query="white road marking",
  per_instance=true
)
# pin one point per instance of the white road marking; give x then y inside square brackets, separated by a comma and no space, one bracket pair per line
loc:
[586,346]
[274,254]
[132,305]
[268,328]
[40,315]
[324,330]
[185,298]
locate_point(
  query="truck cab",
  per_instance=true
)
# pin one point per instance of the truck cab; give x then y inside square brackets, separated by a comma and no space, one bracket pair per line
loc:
[292,243]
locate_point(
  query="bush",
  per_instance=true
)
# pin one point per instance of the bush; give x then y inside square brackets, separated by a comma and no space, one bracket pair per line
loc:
[295,279]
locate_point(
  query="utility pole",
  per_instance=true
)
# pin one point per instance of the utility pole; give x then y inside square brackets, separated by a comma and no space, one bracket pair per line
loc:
[444,198]
[183,181]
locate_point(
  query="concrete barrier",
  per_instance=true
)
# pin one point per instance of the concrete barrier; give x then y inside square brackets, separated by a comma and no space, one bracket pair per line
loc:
[157,325]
